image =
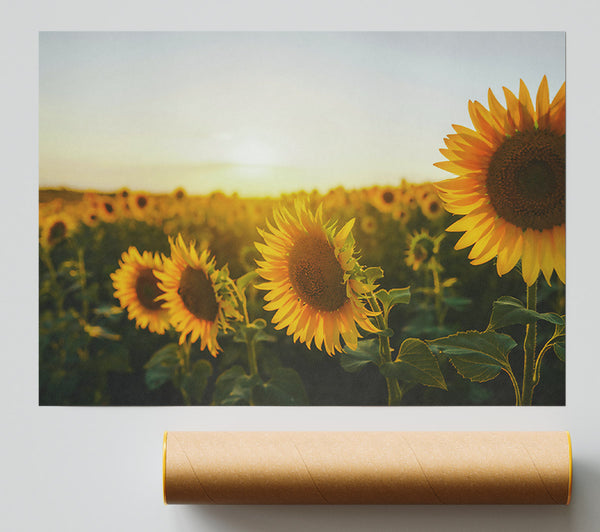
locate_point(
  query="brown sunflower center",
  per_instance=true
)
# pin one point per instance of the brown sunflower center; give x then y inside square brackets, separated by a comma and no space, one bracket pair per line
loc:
[198,294]
[316,275]
[434,207]
[387,197]
[57,231]
[423,249]
[147,290]
[526,180]
[142,202]
[109,208]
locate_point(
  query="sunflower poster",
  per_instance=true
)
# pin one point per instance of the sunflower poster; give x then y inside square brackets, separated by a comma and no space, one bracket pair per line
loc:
[302,218]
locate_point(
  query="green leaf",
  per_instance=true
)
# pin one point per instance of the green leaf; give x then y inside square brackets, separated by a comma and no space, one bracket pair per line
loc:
[194,383]
[234,387]
[399,296]
[285,388]
[559,350]
[225,383]
[386,332]
[245,280]
[458,303]
[415,363]
[477,356]
[367,351]
[162,366]
[393,297]
[510,311]
[374,274]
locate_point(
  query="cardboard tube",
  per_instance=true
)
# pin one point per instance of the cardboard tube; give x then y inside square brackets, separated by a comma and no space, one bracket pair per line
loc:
[367,467]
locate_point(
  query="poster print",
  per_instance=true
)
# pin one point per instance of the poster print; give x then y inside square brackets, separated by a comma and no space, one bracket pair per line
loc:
[302,218]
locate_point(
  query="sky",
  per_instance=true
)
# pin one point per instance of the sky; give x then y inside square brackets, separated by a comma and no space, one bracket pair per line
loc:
[268,113]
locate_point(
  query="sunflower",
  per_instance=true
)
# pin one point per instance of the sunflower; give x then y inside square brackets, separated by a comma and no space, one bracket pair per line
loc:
[199,296]
[432,207]
[107,209]
[136,288]
[368,224]
[422,250]
[90,217]
[385,198]
[55,228]
[313,281]
[123,193]
[139,204]
[510,187]
[179,194]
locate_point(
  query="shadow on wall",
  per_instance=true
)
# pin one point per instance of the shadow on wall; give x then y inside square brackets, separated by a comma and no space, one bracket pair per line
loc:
[382,518]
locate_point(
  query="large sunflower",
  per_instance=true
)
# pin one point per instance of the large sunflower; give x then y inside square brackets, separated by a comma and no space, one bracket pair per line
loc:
[199,296]
[510,187]
[314,283]
[136,288]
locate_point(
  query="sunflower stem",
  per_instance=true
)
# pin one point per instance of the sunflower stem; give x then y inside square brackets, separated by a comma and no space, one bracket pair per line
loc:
[58,294]
[187,346]
[437,290]
[529,349]
[385,353]
[83,282]
[250,343]
[515,384]
[184,357]
[252,363]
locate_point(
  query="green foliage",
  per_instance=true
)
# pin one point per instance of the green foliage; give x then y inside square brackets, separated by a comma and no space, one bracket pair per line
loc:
[245,280]
[234,386]
[415,363]
[510,311]
[391,298]
[194,383]
[91,353]
[477,356]
[163,366]
[366,352]
[285,388]
[559,350]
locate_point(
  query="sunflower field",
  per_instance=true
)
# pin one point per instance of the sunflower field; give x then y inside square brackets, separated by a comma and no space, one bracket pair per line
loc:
[415,294]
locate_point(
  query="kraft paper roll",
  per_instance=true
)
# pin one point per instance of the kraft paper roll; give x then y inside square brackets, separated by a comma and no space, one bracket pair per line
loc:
[367,467]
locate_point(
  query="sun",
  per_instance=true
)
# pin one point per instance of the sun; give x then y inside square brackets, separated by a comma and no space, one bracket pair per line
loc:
[254,151]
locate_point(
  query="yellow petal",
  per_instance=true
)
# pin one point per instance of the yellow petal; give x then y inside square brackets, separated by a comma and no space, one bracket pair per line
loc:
[530,260]
[485,123]
[525,107]
[542,104]
[490,250]
[546,252]
[469,221]
[475,234]
[341,237]
[510,249]
[512,106]
[560,252]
